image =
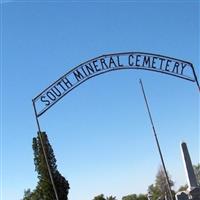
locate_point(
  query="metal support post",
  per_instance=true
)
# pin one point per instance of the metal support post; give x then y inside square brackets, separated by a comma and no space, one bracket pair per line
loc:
[44,152]
[157,142]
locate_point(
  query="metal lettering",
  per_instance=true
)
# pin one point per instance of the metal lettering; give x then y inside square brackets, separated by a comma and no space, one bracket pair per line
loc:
[110,62]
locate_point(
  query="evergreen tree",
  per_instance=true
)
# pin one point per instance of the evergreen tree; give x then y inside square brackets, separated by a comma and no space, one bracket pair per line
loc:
[27,194]
[197,173]
[44,189]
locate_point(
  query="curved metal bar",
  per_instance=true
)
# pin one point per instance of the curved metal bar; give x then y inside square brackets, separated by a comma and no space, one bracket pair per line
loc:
[112,62]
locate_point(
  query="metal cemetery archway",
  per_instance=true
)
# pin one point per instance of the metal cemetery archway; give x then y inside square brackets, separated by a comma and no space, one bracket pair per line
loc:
[110,62]
[102,64]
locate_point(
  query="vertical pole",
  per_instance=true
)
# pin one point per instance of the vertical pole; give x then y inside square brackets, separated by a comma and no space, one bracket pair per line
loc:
[44,152]
[157,142]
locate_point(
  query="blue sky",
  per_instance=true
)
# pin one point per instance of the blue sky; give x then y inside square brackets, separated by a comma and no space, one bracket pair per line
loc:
[100,132]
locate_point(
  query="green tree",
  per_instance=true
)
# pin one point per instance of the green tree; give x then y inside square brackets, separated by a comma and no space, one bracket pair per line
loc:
[142,197]
[197,172]
[111,198]
[161,183]
[160,188]
[183,188]
[27,194]
[154,191]
[99,197]
[44,189]
[130,197]
[135,197]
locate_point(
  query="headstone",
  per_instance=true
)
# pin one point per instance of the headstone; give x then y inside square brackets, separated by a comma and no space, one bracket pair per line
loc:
[181,196]
[193,189]
[194,194]
[191,178]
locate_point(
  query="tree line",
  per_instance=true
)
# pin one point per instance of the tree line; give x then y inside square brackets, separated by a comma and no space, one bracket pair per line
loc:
[44,189]
[158,190]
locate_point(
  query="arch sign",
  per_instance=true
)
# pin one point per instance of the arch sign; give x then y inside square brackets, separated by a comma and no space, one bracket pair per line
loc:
[110,62]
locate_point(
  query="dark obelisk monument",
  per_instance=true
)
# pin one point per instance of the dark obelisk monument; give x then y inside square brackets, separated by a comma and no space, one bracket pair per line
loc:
[193,191]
